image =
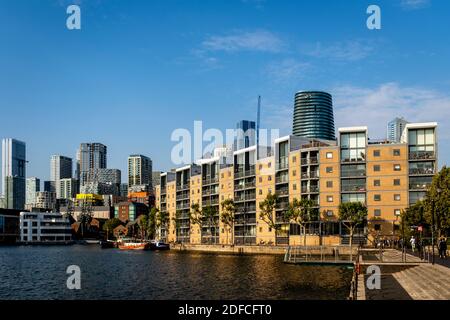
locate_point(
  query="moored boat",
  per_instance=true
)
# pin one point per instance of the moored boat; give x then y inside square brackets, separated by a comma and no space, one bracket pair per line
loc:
[159,245]
[129,244]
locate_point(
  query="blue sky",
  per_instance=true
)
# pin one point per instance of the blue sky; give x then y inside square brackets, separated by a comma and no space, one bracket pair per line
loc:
[137,70]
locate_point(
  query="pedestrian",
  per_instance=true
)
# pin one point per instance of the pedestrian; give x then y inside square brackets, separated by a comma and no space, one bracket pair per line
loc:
[413,243]
[442,247]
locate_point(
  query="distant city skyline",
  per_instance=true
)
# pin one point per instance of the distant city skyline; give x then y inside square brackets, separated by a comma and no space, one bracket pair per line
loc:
[135,73]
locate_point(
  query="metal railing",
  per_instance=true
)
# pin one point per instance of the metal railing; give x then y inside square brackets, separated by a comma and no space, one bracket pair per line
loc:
[420,171]
[421,155]
[322,254]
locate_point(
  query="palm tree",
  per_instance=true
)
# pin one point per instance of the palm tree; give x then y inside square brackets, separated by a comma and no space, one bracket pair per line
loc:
[300,211]
[227,216]
[352,214]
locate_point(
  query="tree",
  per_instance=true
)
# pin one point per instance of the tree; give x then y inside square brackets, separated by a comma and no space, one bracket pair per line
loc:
[110,225]
[209,214]
[162,220]
[151,226]
[267,210]
[437,202]
[300,211]
[176,222]
[227,216]
[352,214]
[85,217]
[143,225]
[195,216]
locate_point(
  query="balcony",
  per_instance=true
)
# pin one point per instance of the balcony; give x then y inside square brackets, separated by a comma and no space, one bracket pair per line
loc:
[282,192]
[181,187]
[212,202]
[311,175]
[247,209]
[247,173]
[208,181]
[353,188]
[282,206]
[353,173]
[282,179]
[248,197]
[421,171]
[242,221]
[311,160]
[282,164]
[311,189]
[244,186]
[419,186]
[422,155]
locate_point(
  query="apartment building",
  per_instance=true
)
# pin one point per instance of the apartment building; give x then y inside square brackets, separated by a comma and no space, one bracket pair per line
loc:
[387,176]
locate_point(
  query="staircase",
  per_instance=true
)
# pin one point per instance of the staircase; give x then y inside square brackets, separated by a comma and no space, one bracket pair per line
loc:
[357,240]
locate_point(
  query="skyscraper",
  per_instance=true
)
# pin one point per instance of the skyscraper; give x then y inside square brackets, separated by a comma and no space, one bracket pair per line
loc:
[33,185]
[313,115]
[60,168]
[13,173]
[92,156]
[395,129]
[139,171]
[245,134]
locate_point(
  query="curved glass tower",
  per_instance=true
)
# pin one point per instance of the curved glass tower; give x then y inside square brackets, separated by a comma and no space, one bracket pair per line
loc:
[313,115]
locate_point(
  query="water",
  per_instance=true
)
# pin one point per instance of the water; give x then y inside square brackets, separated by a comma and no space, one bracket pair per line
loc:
[39,272]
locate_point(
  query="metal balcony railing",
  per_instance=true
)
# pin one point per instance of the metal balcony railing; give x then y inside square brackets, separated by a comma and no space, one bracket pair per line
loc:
[353,187]
[419,186]
[421,171]
[282,164]
[353,173]
[282,179]
[421,155]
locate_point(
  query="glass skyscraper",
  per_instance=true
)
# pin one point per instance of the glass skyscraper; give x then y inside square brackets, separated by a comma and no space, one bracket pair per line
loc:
[14,173]
[245,134]
[313,115]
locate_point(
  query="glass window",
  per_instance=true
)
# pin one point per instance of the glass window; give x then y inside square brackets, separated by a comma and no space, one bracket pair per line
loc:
[429,136]
[412,137]
[329,198]
[377,212]
[376,153]
[376,183]
[329,155]
[397,167]
[397,197]
[329,169]
[376,167]
[377,197]
[396,182]
[329,184]
[345,141]
[396,152]
[397,212]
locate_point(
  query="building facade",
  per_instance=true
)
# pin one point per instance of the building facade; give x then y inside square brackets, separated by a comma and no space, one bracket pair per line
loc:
[245,134]
[33,185]
[395,129]
[45,200]
[66,188]
[14,173]
[313,115]
[60,168]
[386,176]
[140,172]
[44,227]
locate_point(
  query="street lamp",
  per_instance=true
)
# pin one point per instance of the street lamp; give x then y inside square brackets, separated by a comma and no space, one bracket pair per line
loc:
[433,226]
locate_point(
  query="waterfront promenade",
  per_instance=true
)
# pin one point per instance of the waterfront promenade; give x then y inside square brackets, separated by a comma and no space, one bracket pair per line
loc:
[411,280]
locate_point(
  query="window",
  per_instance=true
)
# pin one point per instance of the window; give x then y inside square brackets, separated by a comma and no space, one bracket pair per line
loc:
[376,183]
[270,178]
[376,168]
[269,165]
[376,153]
[397,167]
[329,169]
[270,229]
[397,197]
[377,213]
[294,186]
[294,173]
[294,159]
[260,229]
[329,184]
[222,186]
[396,152]
[329,213]
[329,155]
[396,182]
[329,198]
[260,192]
[260,167]
[397,212]
[221,175]
[260,179]
[377,197]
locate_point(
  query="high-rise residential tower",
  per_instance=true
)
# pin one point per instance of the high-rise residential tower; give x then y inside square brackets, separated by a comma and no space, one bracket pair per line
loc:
[313,115]
[33,185]
[139,171]
[60,168]
[245,134]
[92,156]
[395,129]
[13,173]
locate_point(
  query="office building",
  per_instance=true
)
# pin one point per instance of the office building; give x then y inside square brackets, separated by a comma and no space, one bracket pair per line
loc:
[33,185]
[124,190]
[44,227]
[386,176]
[395,129]
[13,173]
[50,186]
[9,225]
[60,168]
[245,134]
[139,173]
[313,115]
[129,211]
[101,181]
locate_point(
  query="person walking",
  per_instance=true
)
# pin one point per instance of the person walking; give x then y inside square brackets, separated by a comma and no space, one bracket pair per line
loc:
[413,243]
[442,248]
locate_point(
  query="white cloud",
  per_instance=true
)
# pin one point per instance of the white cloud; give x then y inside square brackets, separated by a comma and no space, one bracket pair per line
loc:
[287,70]
[351,50]
[414,4]
[263,41]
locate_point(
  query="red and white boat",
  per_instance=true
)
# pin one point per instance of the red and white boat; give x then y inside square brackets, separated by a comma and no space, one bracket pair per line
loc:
[129,244]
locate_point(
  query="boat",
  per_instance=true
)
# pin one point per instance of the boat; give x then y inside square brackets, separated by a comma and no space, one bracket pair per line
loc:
[106,244]
[159,245]
[130,244]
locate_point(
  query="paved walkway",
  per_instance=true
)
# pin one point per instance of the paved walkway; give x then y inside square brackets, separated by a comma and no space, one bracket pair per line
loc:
[413,280]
